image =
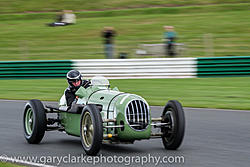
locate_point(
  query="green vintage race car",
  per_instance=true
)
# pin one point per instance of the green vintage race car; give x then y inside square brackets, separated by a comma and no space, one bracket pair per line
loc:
[102,114]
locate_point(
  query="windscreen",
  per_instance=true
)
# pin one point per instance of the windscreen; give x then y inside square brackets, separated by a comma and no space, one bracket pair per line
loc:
[99,81]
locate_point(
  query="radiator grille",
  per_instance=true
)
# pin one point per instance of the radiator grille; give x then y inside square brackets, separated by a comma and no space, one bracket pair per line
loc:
[137,113]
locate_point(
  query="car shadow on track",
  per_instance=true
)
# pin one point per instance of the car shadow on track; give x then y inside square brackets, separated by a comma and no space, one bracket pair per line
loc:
[105,148]
[64,142]
[118,148]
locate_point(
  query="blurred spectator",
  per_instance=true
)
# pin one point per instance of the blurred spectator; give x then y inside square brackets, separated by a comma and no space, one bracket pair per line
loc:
[170,38]
[67,17]
[108,34]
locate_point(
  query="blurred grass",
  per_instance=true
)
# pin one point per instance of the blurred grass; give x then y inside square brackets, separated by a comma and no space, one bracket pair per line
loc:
[25,36]
[5,164]
[15,6]
[228,93]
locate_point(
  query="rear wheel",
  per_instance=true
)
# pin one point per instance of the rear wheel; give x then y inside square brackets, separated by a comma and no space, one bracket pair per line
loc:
[91,129]
[173,134]
[34,121]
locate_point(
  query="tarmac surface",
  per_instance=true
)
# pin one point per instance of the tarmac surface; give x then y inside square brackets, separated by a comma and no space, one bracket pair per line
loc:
[213,138]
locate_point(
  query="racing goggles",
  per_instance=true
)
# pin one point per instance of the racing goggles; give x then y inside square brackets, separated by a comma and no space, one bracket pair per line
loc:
[75,82]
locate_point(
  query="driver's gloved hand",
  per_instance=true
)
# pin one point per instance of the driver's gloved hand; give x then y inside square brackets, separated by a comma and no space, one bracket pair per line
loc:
[86,84]
[72,104]
[76,108]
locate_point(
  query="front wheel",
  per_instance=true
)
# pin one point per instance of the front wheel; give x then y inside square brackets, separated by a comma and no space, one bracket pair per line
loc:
[34,121]
[91,129]
[173,134]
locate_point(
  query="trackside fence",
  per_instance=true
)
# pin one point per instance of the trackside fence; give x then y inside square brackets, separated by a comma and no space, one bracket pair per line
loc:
[130,68]
[223,66]
[138,68]
[34,69]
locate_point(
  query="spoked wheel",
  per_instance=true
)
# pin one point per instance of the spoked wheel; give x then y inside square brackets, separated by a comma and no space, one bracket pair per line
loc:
[87,129]
[34,121]
[91,129]
[173,134]
[29,119]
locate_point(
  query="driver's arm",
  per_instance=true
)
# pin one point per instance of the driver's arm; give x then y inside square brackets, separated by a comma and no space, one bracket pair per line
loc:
[86,83]
[70,97]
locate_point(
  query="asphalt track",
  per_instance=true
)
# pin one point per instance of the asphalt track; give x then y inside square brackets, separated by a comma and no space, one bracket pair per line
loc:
[213,138]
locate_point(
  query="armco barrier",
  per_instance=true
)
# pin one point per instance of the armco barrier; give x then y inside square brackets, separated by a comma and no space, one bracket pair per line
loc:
[138,68]
[110,68]
[223,66]
[34,69]
[130,68]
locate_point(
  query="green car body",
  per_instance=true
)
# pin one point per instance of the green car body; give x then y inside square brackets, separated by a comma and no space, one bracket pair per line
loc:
[114,105]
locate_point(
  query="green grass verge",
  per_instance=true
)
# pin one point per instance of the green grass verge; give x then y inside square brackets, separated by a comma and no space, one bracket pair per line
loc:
[132,12]
[15,6]
[25,36]
[5,164]
[228,93]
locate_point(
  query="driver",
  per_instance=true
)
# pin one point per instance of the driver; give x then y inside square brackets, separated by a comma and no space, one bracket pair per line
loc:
[75,81]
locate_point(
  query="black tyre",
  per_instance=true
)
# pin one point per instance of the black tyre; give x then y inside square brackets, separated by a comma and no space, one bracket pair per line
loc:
[173,114]
[91,129]
[34,121]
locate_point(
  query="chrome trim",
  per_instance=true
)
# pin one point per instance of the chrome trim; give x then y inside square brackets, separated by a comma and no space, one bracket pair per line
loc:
[145,114]
[156,119]
[160,124]
[156,134]
[136,115]
[114,126]
[137,111]
[109,120]
[133,110]
[147,106]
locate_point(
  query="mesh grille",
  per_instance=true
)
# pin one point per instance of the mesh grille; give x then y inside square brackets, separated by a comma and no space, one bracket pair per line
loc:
[137,114]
